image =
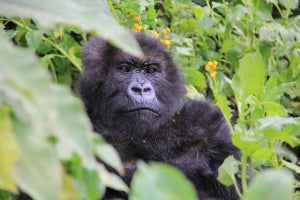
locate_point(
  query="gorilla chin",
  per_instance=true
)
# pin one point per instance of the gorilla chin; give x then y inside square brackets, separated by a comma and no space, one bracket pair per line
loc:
[137,121]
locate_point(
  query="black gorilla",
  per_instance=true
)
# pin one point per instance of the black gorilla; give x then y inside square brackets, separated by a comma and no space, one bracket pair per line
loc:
[139,106]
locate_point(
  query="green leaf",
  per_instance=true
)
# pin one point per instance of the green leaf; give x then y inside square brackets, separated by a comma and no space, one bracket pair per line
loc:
[111,179]
[42,110]
[151,12]
[39,162]
[85,14]
[271,185]
[228,170]
[195,78]
[9,151]
[264,157]
[90,185]
[192,93]
[274,109]
[293,4]
[276,122]
[107,154]
[250,77]
[274,91]
[34,38]
[198,12]
[160,182]
[246,142]
[291,166]
[222,104]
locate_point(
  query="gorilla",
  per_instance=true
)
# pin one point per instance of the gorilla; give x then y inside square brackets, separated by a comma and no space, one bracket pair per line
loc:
[139,106]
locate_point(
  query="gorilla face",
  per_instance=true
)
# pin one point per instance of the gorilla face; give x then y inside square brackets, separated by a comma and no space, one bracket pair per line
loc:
[130,94]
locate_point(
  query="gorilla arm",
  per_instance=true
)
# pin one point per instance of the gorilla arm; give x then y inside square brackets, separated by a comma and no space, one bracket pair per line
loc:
[196,141]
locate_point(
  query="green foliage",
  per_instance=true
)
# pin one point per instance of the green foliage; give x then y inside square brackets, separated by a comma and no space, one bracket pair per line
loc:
[45,134]
[160,181]
[272,184]
[85,14]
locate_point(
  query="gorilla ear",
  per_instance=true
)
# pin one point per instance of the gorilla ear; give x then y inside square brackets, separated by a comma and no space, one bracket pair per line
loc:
[94,53]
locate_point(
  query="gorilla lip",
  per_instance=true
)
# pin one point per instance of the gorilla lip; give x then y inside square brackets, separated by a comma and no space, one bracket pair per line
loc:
[142,108]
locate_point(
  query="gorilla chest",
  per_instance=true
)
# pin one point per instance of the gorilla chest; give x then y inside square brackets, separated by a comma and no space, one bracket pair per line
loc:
[156,147]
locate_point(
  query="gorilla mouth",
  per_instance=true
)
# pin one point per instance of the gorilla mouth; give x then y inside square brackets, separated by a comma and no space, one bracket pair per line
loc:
[142,109]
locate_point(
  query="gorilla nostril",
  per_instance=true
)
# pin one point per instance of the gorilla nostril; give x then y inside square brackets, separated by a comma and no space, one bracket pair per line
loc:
[136,90]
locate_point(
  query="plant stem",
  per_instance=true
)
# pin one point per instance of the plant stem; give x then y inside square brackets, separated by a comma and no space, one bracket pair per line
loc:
[62,51]
[244,175]
[53,71]
[113,10]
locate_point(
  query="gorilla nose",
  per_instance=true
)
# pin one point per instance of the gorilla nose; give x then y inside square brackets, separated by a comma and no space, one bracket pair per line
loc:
[141,91]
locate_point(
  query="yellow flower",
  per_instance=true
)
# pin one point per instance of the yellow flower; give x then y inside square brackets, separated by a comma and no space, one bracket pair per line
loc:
[166,37]
[213,74]
[164,31]
[156,35]
[207,67]
[167,43]
[168,30]
[136,19]
[226,2]
[137,28]
[214,64]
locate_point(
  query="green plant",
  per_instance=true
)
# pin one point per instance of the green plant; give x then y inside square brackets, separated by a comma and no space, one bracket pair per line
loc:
[255,82]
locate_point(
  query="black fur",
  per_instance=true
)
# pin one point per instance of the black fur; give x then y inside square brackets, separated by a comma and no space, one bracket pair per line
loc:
[146,116]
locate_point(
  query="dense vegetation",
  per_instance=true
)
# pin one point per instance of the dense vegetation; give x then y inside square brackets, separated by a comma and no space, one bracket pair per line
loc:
[243,55]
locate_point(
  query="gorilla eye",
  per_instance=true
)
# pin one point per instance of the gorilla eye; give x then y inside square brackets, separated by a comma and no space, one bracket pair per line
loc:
[151,69]
[125,68]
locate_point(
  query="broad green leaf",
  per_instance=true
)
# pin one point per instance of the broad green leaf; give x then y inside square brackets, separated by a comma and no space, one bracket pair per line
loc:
[195,78]
[293,4]
[160,182]
[68,190]
[247,143]
[42,110]
[272,1]
[151,12]
[272,109]
[85,14]
[187,51]
[38,163]
[276,122]
[250,77]
[198,12]
[222,104]
[90,186]
[271,185]
[192,93]
[9,151]
[75,52]
[291,166]
[34,38]
[272,134]
[228,170]
[188,25]
[264,157]
[264,11]
[111,179]
[107,154]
